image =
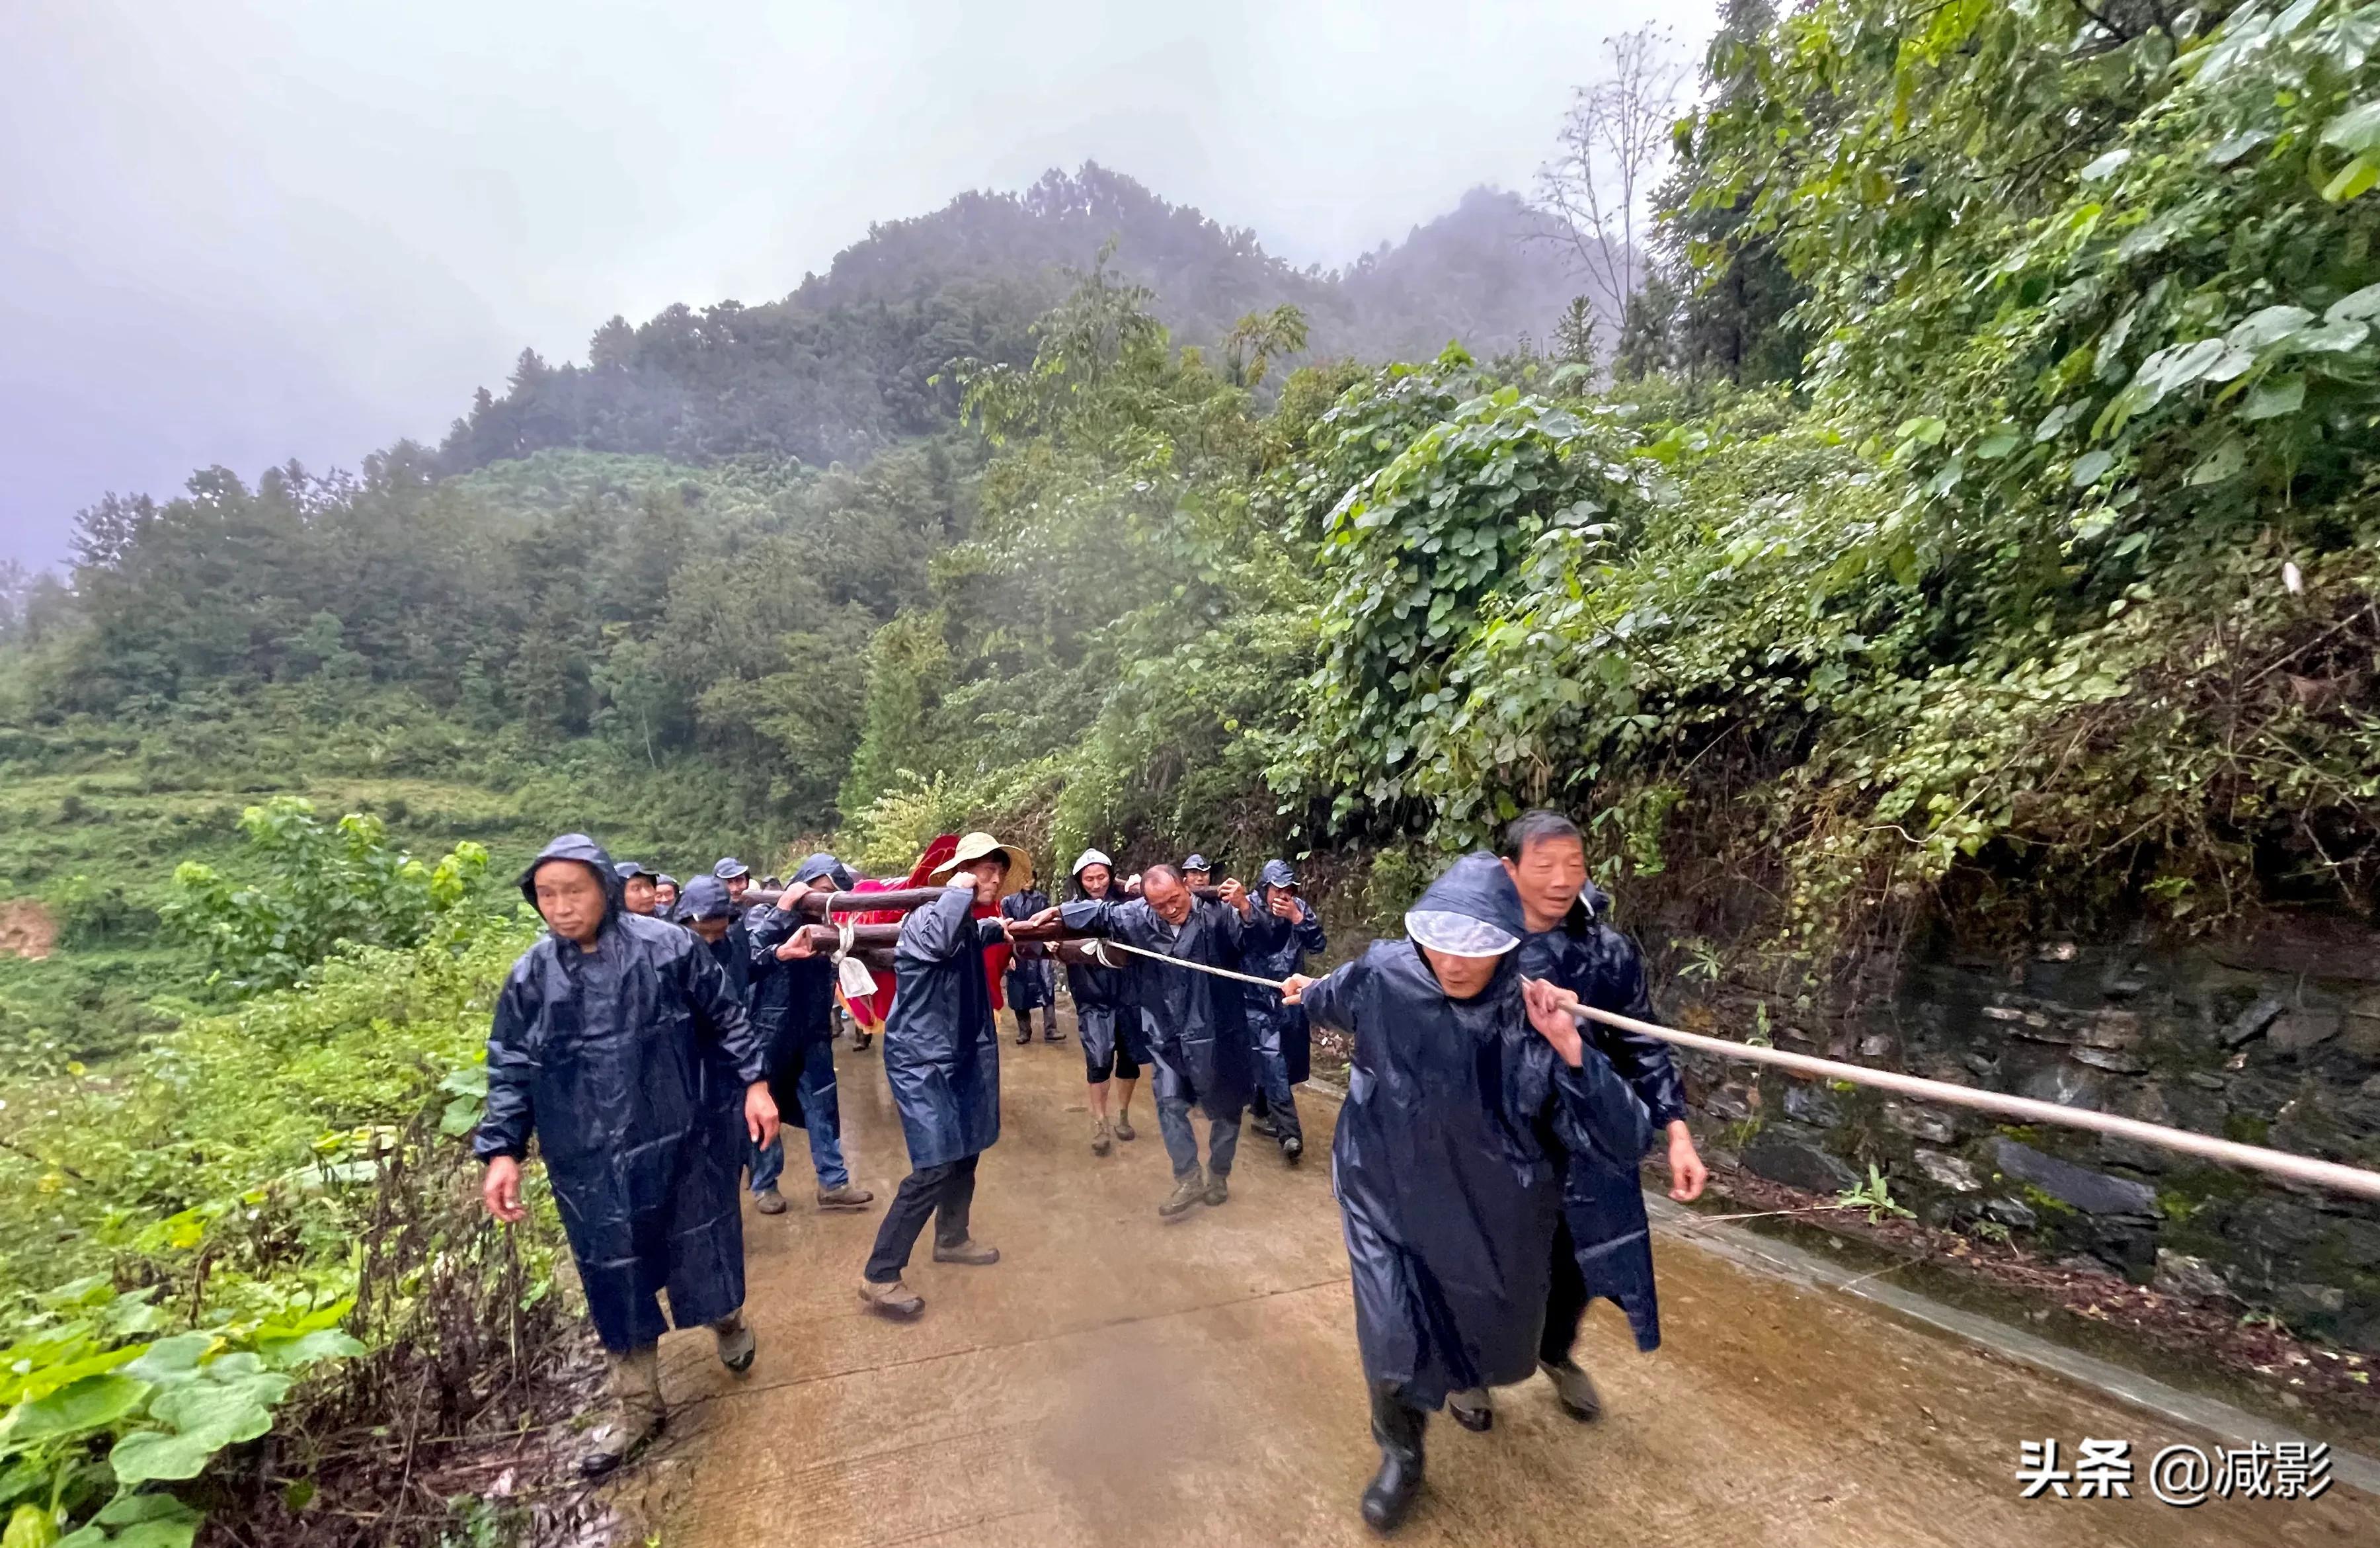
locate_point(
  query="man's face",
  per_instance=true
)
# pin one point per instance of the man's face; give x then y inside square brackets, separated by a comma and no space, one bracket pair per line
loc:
[711,930]
[640,894]
[570,899]
[1195,878]
[1462,977]
[1548,875]
[988,874]
[1171,899]
[664,895]
[1095,880]
[1282,902]
[736,888]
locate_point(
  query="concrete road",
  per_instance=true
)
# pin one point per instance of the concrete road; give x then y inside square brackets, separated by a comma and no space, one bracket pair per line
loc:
[1117,1379]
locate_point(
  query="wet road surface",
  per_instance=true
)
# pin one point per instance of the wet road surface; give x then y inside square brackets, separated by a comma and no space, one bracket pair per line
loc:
[1117,1379]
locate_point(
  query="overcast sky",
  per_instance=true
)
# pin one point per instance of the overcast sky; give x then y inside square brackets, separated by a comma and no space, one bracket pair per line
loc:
[238,232]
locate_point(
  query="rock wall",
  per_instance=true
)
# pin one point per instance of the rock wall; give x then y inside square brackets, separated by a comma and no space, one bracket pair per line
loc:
[2273,1041]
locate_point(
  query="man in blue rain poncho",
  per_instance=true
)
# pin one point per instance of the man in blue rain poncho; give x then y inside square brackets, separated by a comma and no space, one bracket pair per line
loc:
[1464,1076]
[619,1047]
[1032,979]
[793,1010]
[942,1058]
[1604,1247]
[1277,938]
[1106,1021]
[1197,1023]
[707,911]
[637,887]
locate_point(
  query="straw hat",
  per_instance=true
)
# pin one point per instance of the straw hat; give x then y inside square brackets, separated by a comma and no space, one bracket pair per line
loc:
[976,846]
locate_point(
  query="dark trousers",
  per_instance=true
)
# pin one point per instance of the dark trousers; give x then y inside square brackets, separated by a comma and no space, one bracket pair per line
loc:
[1565,1300]
[948,1190]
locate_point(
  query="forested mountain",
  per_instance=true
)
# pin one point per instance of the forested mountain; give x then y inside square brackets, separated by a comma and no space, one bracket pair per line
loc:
[846,363]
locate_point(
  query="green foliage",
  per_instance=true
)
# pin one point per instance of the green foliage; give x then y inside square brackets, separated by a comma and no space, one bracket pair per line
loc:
[262,1180]
[319,888]
[1499,496]
[1875,1197]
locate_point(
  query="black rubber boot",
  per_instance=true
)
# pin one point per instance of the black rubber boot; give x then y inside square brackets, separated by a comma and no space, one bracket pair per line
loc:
[1397,1425]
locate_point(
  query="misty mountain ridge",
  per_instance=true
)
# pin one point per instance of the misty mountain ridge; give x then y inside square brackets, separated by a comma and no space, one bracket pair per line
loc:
[845,365]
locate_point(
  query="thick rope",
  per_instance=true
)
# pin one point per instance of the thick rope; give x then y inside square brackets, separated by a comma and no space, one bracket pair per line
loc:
[2230,1153]
[1101,946]
[2297,1168]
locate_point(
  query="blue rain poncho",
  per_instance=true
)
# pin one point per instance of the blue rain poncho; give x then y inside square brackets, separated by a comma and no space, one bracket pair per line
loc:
[1274,948]
[793,1002]
[627,1064]
[1200,1028]
[1446,1158]
[941,1048]
[1605,1203]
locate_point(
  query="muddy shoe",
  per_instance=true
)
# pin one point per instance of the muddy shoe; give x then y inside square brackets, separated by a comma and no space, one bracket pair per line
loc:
[859,1041]
[1293,1150]
[1101,1139]
[1262,1124]
[1575,1390]
[1123,1130]
[1187,1190]
[894,1300]
[970,1251]
[844,1197]
[769,1202]
[1218,1187]
[1471,1409]
[737,1345]
[636,1419]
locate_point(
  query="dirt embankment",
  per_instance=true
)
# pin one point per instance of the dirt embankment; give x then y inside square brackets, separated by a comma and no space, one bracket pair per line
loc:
[27,930]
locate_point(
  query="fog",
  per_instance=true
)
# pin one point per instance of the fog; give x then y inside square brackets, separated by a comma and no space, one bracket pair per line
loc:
[242,233]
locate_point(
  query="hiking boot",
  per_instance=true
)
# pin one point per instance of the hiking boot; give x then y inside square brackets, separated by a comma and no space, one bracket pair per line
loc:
[1292,1149]
[768,1201]
[1261,1123]
[1123,1130]
[845,1196]
[893,1300]
[1471,1409]
[737,1345]
[635,1417]
[1218,1187]
[1575,1390]
[967,1251]
[1024,1033]
[1102,1138]
[1398,1428]
[1188,1190]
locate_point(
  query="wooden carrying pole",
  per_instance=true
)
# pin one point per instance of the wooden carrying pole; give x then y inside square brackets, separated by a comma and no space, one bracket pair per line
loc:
[819,905]
[2256,1158]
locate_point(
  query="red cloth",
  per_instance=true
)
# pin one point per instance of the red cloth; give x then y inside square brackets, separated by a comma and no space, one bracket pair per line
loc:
[995,959]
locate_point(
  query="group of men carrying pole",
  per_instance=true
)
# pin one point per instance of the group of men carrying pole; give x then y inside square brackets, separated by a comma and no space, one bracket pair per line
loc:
[1485,1159]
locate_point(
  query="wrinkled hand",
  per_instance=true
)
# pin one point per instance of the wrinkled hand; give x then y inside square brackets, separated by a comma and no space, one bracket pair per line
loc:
[1048,919]
[797,946]
[1549,1013]
[1292,989]
[500,1190]
[759,1113]
[793,895]
[1237,896]
[1687,1172]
